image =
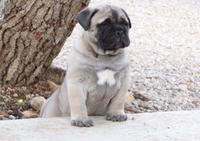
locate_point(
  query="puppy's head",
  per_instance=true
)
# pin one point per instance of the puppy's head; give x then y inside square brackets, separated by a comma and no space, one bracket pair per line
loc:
[106,26]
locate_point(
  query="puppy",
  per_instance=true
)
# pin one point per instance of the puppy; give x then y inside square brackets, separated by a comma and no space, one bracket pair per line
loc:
[96,80]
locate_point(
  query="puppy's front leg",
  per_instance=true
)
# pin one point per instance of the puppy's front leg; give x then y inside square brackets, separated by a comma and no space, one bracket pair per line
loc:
[116,107]
[77,100]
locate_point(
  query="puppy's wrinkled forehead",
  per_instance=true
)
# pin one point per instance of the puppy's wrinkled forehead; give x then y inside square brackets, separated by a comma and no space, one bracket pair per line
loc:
[114,13]
[89,17]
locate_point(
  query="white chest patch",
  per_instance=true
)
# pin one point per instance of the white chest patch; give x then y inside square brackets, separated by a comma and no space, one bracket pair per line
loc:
[106,76]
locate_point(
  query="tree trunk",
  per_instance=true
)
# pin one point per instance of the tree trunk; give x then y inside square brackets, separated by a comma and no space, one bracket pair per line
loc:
[32,33]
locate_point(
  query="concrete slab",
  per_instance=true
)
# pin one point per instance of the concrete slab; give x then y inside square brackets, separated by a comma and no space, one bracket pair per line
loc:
[169,126]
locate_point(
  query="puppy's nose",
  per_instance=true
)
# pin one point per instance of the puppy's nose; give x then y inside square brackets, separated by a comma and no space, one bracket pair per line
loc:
[119,33]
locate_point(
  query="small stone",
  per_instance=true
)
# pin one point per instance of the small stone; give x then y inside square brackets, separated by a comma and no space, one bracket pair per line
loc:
[29,114]
[10,111]
[24,88]
[1,117]
[15,95]
[37,102]
[28,97]
[12,117]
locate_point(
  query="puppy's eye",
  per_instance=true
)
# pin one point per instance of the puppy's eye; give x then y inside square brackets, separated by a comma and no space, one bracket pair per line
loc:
[106,22]
[123,22]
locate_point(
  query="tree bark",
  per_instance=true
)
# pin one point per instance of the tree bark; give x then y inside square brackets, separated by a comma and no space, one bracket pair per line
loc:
[32,33]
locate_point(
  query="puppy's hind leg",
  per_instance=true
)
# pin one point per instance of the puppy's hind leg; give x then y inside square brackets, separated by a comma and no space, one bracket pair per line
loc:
[50,108]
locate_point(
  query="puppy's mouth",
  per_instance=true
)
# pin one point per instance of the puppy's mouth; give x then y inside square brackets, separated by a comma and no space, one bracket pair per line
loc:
[115,47]
[110,51]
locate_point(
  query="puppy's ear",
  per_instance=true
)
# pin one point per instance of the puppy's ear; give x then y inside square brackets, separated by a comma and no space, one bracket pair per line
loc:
[129,21]
[84,17]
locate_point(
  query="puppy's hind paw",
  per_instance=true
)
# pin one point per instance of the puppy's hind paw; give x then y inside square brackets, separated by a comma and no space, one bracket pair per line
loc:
[116,117]
[82,122]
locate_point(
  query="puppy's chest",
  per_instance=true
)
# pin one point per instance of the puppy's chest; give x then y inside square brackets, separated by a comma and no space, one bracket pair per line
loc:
[102,90]
[105,85]
[106,77]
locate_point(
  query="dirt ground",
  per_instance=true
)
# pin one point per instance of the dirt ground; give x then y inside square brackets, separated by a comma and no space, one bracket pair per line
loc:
[15,100]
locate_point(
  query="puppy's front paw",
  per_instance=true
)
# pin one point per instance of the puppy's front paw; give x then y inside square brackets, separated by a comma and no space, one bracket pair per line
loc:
[116,117]
[82,122]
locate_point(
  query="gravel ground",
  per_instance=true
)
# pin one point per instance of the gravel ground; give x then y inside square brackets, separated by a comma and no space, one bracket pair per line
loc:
[164,53]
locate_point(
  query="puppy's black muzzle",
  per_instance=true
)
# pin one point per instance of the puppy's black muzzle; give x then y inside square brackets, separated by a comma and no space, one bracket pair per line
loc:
[112,36]
[122,40]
